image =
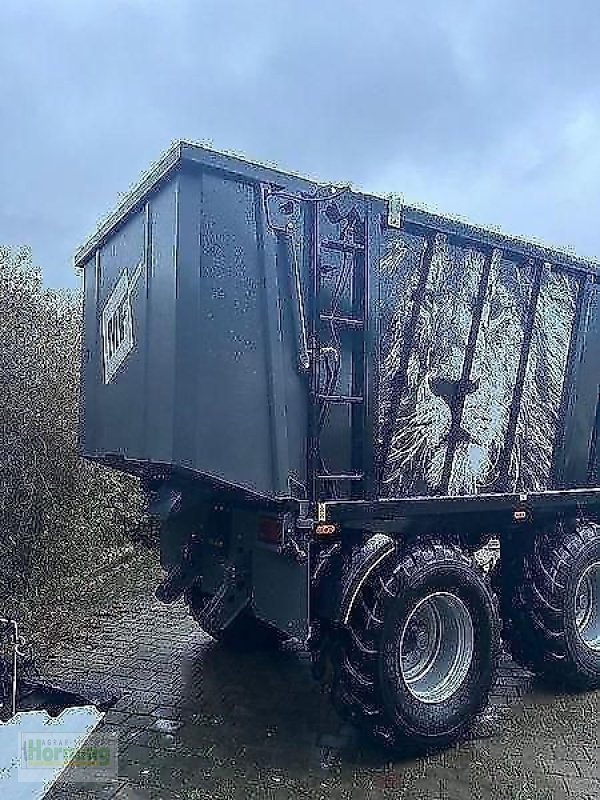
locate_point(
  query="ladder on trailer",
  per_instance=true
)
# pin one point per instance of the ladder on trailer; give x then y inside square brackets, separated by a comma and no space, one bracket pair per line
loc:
[332,332]
[339,323]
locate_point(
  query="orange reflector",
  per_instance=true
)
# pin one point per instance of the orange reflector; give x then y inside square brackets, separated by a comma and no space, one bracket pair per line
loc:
[520,516]
[325,530]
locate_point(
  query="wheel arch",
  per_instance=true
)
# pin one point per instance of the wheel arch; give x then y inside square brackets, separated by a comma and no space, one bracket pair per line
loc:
[377,549]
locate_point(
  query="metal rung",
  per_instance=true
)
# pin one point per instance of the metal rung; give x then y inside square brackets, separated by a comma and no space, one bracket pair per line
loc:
[352,476]
[349,322]
[339,398]
[343,247]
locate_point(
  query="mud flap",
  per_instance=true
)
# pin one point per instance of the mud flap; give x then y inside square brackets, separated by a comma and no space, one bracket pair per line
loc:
[281,588]
[217,553]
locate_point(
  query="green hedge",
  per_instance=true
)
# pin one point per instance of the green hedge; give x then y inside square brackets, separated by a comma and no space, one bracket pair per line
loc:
[61,519]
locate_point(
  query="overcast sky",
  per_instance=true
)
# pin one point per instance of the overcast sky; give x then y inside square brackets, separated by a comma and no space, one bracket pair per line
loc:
[490,109]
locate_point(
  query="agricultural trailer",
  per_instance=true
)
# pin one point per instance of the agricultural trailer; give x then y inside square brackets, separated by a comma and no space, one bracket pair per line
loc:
[334,401]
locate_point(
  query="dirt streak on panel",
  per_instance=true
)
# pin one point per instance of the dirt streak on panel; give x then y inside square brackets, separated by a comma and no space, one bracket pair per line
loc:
[414,463]
[495,365]
[542,391]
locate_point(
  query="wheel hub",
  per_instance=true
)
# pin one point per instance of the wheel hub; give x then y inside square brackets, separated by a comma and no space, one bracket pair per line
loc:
[436,647]
[587,607]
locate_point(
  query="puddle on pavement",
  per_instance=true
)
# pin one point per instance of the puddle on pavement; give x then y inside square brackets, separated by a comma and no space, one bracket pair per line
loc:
[208,722]
[167,725]
[244,720]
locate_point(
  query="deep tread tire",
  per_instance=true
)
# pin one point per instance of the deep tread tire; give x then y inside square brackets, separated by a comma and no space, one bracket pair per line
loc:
[245,633]
[540,624]
[368,685]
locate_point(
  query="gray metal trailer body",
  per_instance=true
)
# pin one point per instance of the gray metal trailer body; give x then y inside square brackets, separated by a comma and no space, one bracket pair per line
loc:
[324,391]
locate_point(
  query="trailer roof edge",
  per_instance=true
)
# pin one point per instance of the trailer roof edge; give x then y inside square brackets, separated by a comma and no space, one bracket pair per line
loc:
[161,169]
[191,152]
[494,236]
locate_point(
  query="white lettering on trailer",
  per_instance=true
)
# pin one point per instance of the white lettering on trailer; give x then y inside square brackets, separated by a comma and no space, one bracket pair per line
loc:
[117,325]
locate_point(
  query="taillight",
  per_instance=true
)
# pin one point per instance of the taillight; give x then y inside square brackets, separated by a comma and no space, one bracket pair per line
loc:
[270,530]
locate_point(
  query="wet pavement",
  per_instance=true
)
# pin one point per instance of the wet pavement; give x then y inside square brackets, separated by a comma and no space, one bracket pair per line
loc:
[195,721]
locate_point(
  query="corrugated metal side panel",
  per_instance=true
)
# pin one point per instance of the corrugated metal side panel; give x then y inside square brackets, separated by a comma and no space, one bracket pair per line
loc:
[475,363]
[240,405]
[119,400]
[578,454]
[159,352]
[127,407]
[232,426]
[208,381]
[188,331]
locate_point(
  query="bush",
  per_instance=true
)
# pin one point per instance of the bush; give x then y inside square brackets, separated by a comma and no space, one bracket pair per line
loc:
[61,518]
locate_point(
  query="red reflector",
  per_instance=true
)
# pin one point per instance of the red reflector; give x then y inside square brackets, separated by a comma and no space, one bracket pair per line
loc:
[270,530]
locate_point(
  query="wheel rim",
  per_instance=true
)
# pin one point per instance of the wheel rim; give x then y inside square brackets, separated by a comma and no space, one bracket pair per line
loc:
[436,647]
[587,607]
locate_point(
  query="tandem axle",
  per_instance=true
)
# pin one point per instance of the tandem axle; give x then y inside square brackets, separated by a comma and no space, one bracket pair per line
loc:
[403,625]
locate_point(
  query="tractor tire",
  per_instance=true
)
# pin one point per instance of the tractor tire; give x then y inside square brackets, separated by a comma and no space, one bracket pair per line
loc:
[245,633]
[552,623]
[419,656]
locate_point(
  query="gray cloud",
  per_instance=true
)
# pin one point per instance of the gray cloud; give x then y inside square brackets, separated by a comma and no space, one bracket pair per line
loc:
[475,108]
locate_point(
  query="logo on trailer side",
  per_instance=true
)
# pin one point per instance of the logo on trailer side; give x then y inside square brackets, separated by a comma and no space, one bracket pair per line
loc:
[117,325]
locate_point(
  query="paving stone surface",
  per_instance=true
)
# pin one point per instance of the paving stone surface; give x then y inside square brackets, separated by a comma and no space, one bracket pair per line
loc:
[195,721]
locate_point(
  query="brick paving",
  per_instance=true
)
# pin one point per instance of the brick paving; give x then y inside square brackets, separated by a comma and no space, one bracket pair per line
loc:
[194,721]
